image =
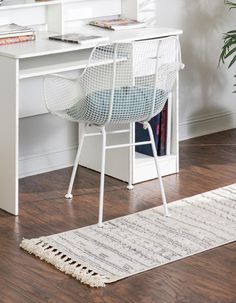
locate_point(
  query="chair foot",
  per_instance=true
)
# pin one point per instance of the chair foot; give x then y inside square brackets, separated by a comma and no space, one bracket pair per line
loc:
[100,225]
[68,196]
[166,212]
[130,187]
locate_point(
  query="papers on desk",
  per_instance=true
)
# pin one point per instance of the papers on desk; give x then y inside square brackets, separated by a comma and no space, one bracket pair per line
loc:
[79,38]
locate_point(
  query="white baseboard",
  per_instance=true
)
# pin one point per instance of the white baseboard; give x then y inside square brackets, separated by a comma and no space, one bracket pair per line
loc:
[205,125]
[45,162]
[57,159]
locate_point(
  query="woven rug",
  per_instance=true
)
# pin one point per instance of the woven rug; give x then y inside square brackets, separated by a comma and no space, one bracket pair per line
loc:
[135,243]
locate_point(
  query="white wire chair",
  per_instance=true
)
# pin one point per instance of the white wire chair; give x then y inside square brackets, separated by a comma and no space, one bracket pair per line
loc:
[122,83]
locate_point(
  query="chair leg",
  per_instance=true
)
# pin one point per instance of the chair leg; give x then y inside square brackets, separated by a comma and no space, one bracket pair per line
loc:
[101,195]
[130,183]
[76,163]
[166,212]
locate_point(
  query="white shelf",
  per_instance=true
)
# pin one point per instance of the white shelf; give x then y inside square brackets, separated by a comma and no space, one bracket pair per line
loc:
[143,160]
[56,15]
[18,4]
[57,63]
[144,167]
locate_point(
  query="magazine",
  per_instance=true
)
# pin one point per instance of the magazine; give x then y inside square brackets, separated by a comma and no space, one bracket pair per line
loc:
[13,28]
[117,24]
[79,39]
[18,34]
[14,33]
[18,39]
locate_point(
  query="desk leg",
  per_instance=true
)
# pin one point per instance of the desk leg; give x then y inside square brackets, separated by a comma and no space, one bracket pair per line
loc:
[9,86]
[175,123]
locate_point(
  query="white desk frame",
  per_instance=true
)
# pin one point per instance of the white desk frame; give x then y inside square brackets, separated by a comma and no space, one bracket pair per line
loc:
[33,59]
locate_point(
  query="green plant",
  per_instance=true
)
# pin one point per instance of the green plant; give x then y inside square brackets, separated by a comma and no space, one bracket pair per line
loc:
[229,47]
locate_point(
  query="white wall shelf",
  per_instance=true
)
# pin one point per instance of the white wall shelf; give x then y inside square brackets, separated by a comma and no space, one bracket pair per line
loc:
[49,64]
[69,13]
[22,4]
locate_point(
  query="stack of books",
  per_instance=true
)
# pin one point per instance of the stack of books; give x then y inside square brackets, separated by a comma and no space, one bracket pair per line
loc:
[159,125]
[13,33]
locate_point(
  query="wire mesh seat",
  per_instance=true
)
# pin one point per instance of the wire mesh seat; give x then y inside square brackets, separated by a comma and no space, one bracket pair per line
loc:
[122,83]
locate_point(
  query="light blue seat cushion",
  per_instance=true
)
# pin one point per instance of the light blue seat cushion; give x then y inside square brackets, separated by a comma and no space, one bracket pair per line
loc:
[130,104]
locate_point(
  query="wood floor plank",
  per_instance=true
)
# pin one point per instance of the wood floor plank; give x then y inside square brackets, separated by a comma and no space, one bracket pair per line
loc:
[206,163]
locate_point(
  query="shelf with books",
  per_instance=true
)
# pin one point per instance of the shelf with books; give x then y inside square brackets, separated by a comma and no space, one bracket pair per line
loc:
[159,125]
[37,14]
[165,133]
[69,13]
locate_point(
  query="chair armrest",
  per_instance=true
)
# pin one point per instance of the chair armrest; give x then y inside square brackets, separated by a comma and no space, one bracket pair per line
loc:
[61,92]
[63,77]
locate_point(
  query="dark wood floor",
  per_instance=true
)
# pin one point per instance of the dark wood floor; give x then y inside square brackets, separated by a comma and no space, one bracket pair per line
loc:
[206,163]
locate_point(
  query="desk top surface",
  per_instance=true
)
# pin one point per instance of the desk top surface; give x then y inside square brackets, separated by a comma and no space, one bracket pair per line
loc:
[43,46]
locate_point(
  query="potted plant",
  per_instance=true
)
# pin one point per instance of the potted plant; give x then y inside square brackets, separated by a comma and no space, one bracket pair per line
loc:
[228,51]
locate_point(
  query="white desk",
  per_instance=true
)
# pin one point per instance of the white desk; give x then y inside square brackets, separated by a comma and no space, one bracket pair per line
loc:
[38,58]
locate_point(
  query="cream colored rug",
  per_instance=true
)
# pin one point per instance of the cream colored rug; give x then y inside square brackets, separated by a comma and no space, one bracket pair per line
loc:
[135,243]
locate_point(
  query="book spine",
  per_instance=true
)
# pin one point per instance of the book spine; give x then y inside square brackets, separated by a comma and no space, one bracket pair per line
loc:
[169,126]
[11,40]
[102,25]
[142,135]
[163,132]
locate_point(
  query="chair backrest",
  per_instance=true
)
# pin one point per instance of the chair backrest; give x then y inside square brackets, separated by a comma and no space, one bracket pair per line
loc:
[122,83]
[130,82]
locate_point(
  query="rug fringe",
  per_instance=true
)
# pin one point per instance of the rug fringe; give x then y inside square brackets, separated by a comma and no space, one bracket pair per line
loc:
[51,255]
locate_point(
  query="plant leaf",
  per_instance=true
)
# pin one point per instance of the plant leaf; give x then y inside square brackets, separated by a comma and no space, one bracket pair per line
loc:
[232,62]
[230,52]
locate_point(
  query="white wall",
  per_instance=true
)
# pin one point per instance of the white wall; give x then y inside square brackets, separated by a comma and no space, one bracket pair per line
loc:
[206,101]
